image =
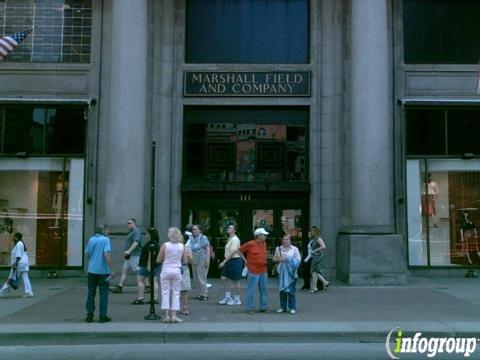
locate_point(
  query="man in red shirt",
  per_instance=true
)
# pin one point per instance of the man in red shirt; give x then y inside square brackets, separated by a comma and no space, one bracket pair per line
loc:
[255,254]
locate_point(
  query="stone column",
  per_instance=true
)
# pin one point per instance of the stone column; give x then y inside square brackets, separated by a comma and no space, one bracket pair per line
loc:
[126,152]
[369,130]
[368,251]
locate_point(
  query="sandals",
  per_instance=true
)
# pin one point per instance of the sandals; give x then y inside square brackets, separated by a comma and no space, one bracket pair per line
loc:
[186,312]
[138,302]
[313,291]
[325,287]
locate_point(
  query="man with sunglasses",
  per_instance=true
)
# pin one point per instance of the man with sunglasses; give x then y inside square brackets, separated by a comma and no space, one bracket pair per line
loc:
[131,254]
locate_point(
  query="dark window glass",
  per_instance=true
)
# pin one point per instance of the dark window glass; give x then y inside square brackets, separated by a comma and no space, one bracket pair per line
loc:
[65,131]
[463,130]
[245,144]
[195,149]
[425,132]
[20,130]
[441,31]
[247,31]
[58,25]
[44,130]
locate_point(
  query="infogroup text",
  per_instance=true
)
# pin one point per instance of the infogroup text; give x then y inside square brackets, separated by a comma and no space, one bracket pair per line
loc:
[430,346]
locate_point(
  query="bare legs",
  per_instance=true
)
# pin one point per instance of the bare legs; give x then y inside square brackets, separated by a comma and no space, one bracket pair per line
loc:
[313,282]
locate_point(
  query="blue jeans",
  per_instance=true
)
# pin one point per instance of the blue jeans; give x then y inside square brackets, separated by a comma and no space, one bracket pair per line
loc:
[101,281]
[259,281]
[287,298]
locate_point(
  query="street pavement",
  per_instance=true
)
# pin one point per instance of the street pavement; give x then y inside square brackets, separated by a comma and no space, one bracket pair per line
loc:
[447,306]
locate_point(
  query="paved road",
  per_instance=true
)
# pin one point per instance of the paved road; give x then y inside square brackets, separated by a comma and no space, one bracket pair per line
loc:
[211,351]
[197,351]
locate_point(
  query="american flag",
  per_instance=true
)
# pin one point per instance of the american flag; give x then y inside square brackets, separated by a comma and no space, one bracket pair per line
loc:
[10,42]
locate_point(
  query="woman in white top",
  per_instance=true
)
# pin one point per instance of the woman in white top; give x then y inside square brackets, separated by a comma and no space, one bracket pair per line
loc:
[232,268]
[171,254]
[20,264]
[288,258]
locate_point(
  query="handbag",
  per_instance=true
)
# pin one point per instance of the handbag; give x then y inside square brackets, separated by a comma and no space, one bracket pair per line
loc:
[13,281]
[275,267]
[275,270]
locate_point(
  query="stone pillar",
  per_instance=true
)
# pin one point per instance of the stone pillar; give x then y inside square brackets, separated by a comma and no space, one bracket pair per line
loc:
[126,152]
[369,130]
[369,252]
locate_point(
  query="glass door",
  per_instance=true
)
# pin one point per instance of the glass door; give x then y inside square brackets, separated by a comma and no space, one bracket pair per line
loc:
[276,214]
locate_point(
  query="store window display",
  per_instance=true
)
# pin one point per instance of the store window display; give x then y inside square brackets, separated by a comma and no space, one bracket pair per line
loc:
[469,238]
[43,199]
[430,194]
[443,199]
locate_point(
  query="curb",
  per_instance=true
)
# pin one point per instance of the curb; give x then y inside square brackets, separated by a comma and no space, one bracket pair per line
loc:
[315,332]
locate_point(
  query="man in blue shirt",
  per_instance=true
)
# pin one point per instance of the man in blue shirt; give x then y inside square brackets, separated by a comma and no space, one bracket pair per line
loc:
[99,273]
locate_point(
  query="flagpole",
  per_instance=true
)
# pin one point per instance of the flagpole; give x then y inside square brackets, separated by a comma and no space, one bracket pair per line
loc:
[478,79]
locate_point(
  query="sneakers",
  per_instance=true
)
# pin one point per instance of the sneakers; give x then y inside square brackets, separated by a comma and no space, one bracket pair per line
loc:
[202,298]
[234,302]
[291,311]
[28,295]
[225,300]
[175,320]
[264,311]
[89,318]
[116,289]
[138,302]
[104,319]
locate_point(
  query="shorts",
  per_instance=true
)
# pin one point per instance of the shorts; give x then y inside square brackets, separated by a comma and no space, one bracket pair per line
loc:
[132,263]
[142,271]
[233,269]
[186,283]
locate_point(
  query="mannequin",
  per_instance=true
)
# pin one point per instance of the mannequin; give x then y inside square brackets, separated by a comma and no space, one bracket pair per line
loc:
[59,197]
[469,238]
[7,225]
[428,202]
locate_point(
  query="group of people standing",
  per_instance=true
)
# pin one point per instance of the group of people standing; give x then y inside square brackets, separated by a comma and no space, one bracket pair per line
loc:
[168,261]
[170,264]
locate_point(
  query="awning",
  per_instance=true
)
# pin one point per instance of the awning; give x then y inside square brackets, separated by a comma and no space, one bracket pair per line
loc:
[445,101]
[87,101]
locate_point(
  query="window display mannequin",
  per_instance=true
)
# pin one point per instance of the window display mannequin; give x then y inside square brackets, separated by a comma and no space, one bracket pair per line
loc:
[7,225]
[430,193]
[58,198]
[469,238]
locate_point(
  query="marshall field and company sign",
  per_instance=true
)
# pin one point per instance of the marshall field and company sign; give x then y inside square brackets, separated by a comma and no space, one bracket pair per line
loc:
[247,83]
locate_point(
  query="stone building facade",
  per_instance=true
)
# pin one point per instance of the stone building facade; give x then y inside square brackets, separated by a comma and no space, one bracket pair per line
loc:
[341,157]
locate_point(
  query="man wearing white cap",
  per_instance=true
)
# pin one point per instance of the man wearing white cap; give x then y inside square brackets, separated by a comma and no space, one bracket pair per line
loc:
[255,253]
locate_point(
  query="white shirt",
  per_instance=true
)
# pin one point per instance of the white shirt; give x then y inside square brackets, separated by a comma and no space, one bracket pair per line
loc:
[232,246]
[292,252]
[18,251]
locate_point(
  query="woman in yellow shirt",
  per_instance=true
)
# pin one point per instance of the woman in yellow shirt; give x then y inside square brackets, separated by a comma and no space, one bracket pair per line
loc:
[232,268]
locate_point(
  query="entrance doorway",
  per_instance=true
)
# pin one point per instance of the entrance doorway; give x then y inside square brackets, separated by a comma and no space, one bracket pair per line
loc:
[278,213]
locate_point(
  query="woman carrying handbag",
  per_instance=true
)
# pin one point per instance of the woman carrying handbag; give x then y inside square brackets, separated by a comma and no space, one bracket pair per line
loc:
[20,265]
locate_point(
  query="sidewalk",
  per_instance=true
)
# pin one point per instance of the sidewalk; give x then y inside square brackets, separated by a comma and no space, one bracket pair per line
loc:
[436,306]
